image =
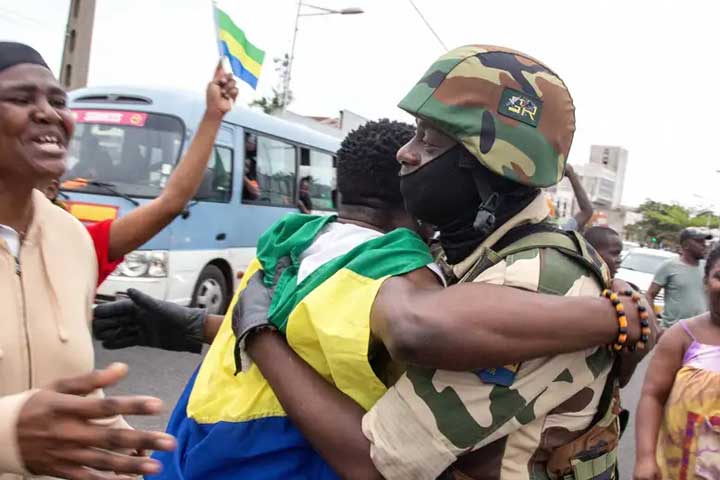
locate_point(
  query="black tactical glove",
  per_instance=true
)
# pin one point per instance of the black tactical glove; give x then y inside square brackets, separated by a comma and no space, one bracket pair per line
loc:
[144,321]
[250,313]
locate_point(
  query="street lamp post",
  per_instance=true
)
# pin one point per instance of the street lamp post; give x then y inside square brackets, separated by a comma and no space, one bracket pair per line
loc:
[317,11]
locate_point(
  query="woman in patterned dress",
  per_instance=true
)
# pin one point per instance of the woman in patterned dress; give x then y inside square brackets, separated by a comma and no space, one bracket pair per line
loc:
[678,425]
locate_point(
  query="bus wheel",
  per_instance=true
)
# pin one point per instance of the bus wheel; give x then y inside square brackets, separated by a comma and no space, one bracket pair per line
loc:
[211,291]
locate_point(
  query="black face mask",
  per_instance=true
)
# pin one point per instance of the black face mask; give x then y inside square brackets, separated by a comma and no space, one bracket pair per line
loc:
[443,194]
[441,191]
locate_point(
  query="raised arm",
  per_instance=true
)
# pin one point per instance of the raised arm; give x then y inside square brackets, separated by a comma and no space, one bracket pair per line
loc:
[484,325]
[584,203]
[134,229]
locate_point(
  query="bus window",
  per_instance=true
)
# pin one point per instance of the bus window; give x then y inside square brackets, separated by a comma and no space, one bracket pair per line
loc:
[275,171]
[133,151]
[217,185]
[317,171]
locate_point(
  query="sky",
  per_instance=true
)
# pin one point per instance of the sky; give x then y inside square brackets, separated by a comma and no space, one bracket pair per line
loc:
[640,72]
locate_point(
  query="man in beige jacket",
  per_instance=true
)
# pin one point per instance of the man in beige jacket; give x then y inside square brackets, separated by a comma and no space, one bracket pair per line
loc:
[53,417]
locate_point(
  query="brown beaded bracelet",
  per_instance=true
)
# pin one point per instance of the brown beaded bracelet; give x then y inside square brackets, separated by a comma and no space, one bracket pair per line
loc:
[622,320]
[645,330]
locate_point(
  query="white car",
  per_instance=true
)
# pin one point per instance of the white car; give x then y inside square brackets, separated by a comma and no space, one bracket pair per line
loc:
[627,246]
[639,267]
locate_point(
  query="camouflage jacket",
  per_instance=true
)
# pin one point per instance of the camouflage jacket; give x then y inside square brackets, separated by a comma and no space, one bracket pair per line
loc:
[430,417]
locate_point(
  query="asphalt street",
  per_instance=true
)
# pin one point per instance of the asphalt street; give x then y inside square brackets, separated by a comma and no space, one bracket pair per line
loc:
[164,375]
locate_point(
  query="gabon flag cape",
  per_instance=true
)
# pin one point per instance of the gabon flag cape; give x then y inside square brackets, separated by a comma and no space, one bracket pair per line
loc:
[232,426]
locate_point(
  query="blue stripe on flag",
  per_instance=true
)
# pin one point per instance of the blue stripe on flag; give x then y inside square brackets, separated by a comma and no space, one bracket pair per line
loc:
[269,448]
[237,67]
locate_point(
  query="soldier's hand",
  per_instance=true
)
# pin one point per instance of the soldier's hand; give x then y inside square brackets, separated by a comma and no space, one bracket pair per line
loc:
[250,313]
[57,436]
[221,93]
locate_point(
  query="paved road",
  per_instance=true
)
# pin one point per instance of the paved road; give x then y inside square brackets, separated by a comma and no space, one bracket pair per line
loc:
[164,374]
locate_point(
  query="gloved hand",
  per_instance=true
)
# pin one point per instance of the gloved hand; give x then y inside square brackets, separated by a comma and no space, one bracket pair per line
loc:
[144,321]
[250,313]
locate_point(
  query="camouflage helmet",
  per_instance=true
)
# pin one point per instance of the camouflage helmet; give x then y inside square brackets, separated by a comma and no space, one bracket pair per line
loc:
[510,111]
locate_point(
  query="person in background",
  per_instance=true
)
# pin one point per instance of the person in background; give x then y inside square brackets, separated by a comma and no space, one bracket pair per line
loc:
[251,188]
[53,419]
[677,426]
[334,198]
[682,279]
[304,201]
[608,244]
[113,239]
[581,218]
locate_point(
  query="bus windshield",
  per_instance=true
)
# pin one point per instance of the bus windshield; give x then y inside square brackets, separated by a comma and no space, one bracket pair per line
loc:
[134,152]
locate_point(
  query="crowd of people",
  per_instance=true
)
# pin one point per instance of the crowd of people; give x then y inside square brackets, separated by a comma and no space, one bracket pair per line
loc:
[441,325]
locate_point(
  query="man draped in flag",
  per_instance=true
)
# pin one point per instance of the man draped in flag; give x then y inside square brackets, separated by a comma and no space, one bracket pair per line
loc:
[232,426]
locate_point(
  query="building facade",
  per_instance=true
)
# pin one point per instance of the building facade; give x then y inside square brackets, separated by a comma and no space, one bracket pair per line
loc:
[603,178]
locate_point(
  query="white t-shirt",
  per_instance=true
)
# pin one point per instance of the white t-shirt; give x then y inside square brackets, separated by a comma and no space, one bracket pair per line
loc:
[338,239]
[12,239]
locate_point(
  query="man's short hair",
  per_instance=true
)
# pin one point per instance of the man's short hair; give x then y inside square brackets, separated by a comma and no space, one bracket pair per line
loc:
[599,237]
[367,167]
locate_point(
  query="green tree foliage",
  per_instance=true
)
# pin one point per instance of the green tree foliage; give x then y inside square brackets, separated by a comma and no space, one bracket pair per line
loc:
[276,101]
[663,222]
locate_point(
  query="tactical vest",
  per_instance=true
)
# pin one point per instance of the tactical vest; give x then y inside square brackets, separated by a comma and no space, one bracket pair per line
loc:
[593,455]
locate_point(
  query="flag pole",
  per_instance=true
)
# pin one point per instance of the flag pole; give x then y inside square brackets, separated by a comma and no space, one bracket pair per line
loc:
[223,58]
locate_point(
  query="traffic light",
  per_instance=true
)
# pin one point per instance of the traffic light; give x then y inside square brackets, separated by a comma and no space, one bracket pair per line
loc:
[653,239]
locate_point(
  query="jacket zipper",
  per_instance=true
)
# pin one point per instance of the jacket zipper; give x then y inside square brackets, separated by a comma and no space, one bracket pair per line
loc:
[18,271]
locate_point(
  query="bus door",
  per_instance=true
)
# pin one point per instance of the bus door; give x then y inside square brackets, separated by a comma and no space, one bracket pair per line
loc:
[200,263]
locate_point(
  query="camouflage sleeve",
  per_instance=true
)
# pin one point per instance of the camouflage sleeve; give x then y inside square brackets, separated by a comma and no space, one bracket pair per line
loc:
[430,417]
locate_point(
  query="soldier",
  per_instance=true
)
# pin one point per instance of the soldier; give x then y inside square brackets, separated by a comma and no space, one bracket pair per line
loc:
[493,127]
[497,125]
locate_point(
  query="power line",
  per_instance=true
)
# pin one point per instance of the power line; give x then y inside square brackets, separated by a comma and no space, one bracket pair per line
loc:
[428,25]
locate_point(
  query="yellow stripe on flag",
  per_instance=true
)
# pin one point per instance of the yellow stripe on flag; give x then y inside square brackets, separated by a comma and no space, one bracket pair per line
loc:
[238,51]
[337,350]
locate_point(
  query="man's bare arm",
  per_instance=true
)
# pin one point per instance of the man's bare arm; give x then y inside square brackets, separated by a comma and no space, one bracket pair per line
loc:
[329,419]
[652,292]
[211,326]
[474,325]
[584,204]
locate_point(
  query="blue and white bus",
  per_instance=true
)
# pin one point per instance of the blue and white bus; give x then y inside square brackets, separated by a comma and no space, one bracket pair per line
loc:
[126,144]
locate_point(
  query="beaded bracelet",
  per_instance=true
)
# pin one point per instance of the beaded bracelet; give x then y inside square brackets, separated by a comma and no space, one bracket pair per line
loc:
[644,319]
[622,319]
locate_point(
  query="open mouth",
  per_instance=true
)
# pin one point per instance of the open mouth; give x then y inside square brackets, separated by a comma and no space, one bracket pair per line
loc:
[50,144]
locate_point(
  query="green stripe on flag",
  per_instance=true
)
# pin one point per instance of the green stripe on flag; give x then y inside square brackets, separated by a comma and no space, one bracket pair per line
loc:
[395,253]
[225,23]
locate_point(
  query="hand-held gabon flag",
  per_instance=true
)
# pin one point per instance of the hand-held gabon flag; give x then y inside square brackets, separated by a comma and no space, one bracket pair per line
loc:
[245,58]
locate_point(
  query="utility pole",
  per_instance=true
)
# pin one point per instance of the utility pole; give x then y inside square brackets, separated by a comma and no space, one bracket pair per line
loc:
[78,38]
